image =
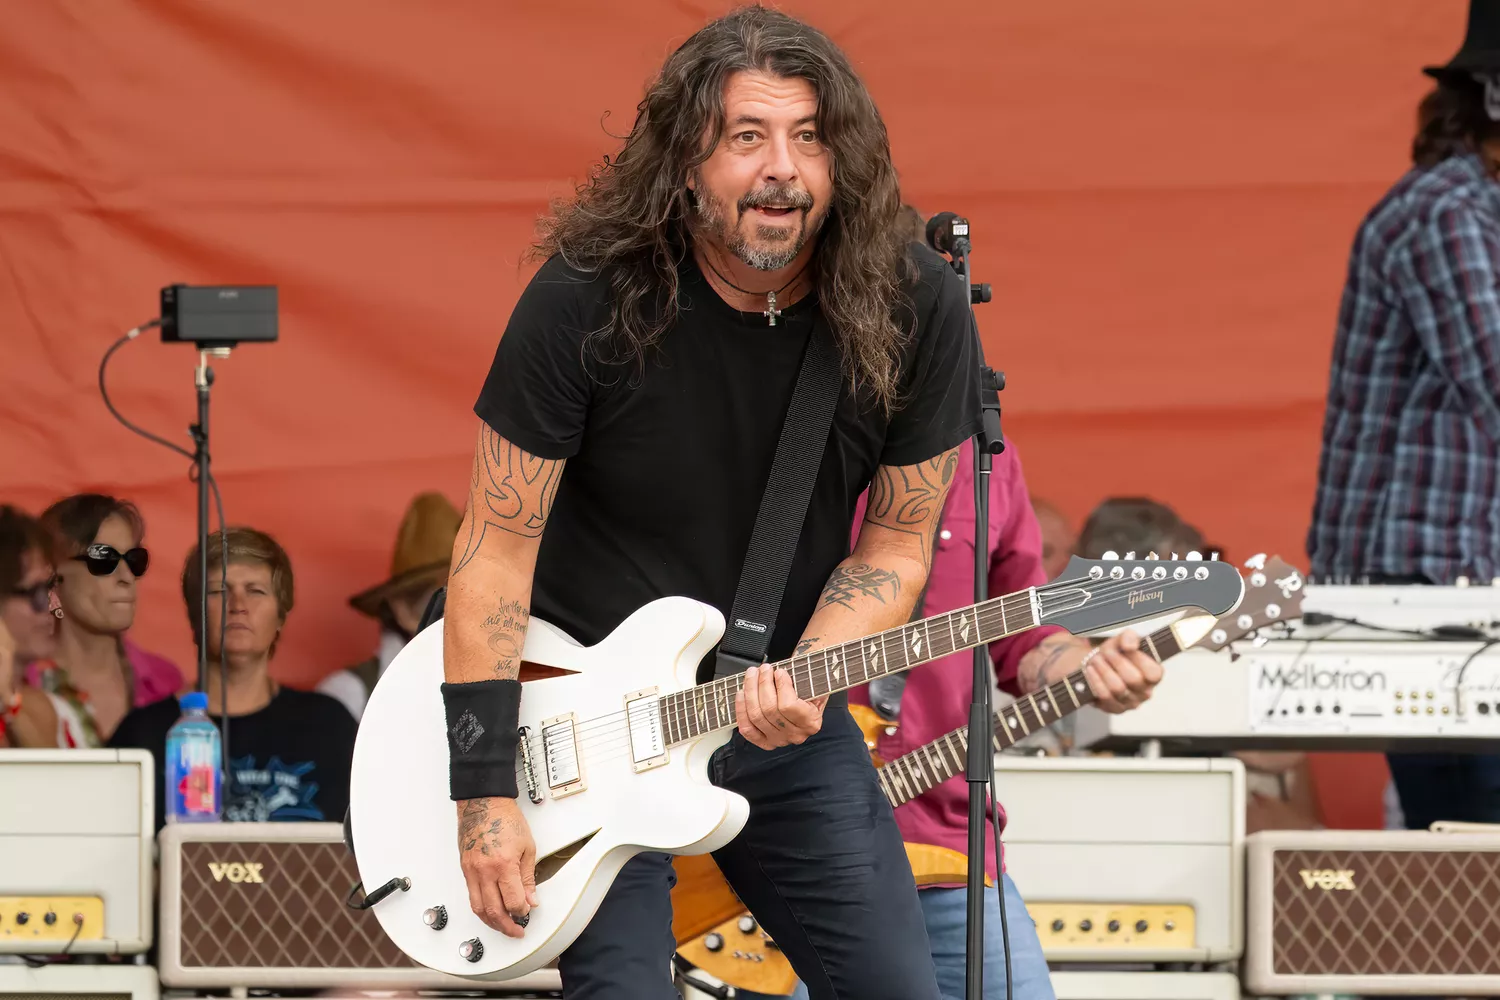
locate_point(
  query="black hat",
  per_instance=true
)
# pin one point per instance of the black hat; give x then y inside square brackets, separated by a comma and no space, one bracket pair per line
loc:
[1480,52]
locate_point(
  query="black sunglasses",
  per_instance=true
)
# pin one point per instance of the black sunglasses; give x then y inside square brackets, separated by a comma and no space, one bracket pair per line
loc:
[102,559]
[38,595]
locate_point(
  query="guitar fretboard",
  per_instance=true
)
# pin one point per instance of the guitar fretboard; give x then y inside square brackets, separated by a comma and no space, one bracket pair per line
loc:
[931,764]
[697,711]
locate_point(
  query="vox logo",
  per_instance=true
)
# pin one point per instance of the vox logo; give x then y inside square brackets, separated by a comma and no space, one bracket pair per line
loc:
[1328,879]
[235,871]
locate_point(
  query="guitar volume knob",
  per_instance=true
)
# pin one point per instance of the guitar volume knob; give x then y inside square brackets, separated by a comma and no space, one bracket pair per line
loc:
[435,917]
[747,924]
[714,942]
[471,950]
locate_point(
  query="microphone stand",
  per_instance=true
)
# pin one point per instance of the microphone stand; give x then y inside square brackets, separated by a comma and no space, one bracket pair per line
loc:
[979,770]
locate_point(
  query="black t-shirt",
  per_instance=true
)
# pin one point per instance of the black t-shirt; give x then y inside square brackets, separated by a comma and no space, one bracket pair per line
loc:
[666,467]
[287,762]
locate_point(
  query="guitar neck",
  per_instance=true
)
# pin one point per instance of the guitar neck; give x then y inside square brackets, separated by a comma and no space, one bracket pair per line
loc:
[706,708]
[931,764]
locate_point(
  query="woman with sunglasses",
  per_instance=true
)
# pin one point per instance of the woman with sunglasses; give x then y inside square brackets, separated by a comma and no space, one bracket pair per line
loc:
[96,671]
[28,631]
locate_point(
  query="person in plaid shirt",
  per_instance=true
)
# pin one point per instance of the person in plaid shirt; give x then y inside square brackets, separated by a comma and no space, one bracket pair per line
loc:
[1409,478]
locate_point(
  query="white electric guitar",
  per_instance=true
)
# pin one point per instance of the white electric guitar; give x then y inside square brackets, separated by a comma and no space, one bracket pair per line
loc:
[613,757]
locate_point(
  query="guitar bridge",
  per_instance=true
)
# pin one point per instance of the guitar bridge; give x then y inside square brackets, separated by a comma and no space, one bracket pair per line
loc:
[528,767]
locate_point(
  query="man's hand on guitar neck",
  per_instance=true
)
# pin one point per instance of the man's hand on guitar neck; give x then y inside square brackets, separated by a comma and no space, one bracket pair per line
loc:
[1119,672]
[770,712]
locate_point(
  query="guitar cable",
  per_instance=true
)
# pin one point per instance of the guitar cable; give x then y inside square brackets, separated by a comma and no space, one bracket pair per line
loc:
[1000,882]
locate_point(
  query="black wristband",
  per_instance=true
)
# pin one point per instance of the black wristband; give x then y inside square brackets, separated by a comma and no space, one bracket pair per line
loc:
[483,730]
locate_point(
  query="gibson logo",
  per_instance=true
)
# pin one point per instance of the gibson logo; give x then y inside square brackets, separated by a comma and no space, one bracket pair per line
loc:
[1328,879]
[1141,596]
[235,871]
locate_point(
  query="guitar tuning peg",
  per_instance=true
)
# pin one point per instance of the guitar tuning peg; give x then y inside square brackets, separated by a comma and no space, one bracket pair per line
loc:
[1111,555]
[1152,556]
[1130,554]
[1213,557]
[1195,557]
[1257,561]
[1174,557]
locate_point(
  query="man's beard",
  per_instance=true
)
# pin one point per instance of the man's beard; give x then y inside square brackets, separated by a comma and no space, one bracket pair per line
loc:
[714,221]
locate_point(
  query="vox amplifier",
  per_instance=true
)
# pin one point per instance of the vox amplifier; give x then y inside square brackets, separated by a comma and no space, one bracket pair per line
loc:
[262,906]
[1373,913]
[79,982]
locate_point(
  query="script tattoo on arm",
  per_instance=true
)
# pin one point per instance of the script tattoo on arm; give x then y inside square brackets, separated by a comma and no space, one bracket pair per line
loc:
[507,636]
[909,498]
[861,580]
[1038,665]
[510,490]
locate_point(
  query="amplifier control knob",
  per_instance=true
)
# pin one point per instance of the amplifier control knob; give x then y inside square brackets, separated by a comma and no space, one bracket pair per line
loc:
[1170,925]
[50,919]
[747,924]
[435,917]
[23,918]
[471,950]
[1114,926]
[1086,925]
[1058,925]
[714,942]
[1140,926]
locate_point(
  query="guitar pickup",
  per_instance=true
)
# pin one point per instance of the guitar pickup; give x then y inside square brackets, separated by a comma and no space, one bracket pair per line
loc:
[648,744]
[561,757]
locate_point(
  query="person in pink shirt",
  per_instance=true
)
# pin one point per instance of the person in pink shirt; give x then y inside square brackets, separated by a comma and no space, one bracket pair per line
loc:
[934,699]
[97,675]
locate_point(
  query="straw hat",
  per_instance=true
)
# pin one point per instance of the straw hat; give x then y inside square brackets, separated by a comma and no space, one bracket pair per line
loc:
[424,547]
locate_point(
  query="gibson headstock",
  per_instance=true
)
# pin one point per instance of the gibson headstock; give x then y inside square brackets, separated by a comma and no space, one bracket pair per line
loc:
[1091,595]
[1273,594]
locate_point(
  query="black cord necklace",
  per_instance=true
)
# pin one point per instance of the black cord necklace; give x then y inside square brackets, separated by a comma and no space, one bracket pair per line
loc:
[770,312]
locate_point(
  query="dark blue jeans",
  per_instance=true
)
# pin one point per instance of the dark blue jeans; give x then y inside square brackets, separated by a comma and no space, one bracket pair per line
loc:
[819,863]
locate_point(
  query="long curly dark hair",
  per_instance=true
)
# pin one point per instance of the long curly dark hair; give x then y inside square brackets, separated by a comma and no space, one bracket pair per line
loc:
[1451,121]
[631,219]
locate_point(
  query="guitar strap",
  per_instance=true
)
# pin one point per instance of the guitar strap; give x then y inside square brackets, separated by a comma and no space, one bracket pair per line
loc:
[783,507]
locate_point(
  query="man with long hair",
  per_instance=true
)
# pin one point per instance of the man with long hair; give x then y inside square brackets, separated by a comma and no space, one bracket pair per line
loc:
[1409,479]
[627,429]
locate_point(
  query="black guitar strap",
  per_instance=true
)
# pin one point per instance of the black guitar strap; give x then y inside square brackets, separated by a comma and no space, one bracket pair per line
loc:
[783,507]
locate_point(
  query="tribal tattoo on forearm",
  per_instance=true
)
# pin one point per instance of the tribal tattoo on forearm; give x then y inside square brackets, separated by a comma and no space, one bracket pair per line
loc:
[511,490]
[909,498]
[850,583]
[805,645]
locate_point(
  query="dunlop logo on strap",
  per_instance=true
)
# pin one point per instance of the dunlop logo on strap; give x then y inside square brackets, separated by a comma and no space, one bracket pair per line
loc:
[235,871]
[1328,879]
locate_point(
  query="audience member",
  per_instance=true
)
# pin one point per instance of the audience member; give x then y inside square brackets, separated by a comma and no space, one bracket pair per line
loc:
[1137,524]
[98,674]
[28,631]
[419,566]
[289,751]
[1058,537]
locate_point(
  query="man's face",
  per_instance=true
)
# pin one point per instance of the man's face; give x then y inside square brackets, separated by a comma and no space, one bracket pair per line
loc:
[765,190]
[1058,539]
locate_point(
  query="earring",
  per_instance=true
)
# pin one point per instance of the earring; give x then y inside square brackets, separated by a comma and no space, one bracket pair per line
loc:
[57,613]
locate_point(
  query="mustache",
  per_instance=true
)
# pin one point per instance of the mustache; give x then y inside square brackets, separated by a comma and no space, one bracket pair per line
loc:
[779,195]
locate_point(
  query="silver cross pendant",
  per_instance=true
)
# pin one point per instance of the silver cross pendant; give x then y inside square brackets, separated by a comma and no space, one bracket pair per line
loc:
[771,312]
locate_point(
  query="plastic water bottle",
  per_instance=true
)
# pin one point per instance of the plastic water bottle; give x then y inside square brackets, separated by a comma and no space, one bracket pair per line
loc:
[193,764]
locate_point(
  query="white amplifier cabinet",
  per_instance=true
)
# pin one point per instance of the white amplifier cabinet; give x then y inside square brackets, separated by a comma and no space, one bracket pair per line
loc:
[1128,859]
[1145,986]
[262,906]
[75,851]
[79,982]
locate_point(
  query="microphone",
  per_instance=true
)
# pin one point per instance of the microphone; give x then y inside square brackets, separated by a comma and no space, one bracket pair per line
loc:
[948,232]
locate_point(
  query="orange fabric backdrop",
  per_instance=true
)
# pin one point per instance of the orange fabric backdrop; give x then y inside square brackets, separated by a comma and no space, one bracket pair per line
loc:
[1163,194]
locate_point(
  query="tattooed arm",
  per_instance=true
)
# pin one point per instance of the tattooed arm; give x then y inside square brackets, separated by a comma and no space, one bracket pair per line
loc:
[489,583]
[484,631]
[870,591]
